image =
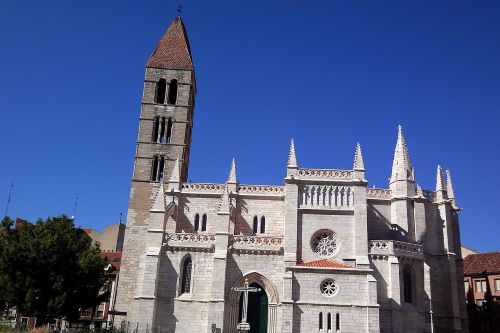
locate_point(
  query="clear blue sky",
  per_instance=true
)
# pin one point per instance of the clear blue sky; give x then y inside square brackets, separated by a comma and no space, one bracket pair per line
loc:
[328,73]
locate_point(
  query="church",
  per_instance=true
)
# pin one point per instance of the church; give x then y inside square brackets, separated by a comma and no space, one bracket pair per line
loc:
[322,252]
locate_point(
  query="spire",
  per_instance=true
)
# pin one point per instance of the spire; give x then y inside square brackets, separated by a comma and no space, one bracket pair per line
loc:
[175,177]
[173,51]
[449,187]
[420,192]
[292,159]
[401,165]
[232,173]
[359,165]
[440,185]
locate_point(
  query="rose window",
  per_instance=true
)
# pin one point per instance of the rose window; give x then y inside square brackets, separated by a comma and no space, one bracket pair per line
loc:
[324,243]
[329,288]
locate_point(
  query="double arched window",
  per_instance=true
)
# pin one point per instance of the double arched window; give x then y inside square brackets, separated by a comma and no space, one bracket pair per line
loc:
[204,222]
[157,168]
[259,228]
[166,93]
[187,268]
[162,130]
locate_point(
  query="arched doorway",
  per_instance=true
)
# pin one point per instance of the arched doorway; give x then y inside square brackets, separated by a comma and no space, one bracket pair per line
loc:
[257,309]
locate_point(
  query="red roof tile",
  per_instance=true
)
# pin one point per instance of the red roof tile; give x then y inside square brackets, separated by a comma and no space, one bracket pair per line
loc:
[114,258]
[325,263]
[172,51]
[482,263]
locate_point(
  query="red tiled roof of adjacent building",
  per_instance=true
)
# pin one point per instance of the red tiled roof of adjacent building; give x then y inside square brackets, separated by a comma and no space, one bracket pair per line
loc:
[172,51]
[482,263]
[325,263]
[114,258]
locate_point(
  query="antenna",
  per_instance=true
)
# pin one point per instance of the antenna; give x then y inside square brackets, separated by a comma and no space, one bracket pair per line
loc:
[75,205]
[9,198]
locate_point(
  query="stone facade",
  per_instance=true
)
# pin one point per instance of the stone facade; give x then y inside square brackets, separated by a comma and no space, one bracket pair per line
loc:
[330,254]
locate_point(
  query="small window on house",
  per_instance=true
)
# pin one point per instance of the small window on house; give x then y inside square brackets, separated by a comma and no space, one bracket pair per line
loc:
[337,322]
[255,228]
[262,225]
[161,87]
[172,92]
[481,286]
[329,321]
[186,275]
[497,284]
[154,168]
[169,131]
[204,223]
[466,286]
[156,124]
[321,320]
[196,222]
[408,285]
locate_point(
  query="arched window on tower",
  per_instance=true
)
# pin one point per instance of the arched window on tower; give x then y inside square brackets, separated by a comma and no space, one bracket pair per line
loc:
[156,126]
[162,130]
[262,225]
[186,275]
[161,87]
[337,322]
[196,222]
[321,320]
[255,228]
[154,168]
[204,222]
[329,322]
[161,167]
[169,131]
[172,92]
[408,284]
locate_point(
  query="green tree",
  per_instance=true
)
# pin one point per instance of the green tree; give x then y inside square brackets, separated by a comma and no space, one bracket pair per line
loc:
[49,269]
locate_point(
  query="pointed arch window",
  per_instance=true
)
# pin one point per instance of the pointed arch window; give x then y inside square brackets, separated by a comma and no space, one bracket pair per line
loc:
[337,322]
[321,320]
[255,228]
[197,222]
[329,321]
[156,126]
[172,92]
[408,285]
[186,275]
[168,134]
[157,168]
[204,223]
[262,225]
[161,87]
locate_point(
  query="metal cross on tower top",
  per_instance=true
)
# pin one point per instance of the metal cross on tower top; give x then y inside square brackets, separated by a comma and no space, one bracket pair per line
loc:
[180,9]
[244,326]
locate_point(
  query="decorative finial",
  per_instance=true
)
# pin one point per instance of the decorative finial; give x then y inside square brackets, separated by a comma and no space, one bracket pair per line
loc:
[449,187]
[292,159]
[359,164]
[232,173]
[440,186]
[401,165]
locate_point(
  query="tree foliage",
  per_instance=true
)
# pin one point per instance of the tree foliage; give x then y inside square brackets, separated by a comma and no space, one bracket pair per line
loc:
[49,269]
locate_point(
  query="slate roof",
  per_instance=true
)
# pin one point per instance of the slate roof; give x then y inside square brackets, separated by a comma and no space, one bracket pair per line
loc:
[482,263]
[325,264]
[172,51]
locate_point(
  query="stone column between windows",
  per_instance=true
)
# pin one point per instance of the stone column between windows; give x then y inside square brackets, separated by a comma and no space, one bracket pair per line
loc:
[216,305]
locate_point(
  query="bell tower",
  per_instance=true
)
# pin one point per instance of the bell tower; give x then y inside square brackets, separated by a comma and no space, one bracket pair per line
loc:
[161,155]
[167,108]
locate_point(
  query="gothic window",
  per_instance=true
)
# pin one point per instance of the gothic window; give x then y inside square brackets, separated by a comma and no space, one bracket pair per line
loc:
[156,125]
[329,321]
[169,131]
[262,225]
[161,87]
[197,222]
[325,244]
[172,92]
[337,322]
[186,275]
[255,228]
[162,130]
[204,222]
[321,320]
[408,285]
[161,167]
[329,288]
[154,168]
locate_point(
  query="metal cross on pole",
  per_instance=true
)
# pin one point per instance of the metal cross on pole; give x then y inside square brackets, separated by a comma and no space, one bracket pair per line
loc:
[243,325]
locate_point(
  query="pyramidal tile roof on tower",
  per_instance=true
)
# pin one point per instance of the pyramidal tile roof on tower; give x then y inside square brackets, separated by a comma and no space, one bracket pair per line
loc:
[172,51]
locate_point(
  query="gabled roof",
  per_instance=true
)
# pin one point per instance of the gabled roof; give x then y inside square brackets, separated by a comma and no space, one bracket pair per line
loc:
[172,51]
[482,263]
[325,263]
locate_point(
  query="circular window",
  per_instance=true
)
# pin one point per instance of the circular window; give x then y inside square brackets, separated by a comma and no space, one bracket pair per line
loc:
[329,288]
[325,244]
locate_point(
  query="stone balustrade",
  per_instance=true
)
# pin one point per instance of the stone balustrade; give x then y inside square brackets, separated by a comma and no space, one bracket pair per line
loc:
[395,248]
[325,174]
[261,189]
[326,197]
[189,240]
[378,193]
[256,243]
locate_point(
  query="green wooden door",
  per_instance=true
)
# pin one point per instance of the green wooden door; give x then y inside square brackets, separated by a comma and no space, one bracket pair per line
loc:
[257,310]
